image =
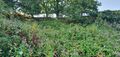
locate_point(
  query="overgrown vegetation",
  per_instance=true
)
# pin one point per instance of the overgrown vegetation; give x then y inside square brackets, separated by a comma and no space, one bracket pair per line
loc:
[93,35]
[57,39]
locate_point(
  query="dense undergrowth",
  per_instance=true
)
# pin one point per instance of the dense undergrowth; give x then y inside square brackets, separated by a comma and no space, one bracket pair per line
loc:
[57,39]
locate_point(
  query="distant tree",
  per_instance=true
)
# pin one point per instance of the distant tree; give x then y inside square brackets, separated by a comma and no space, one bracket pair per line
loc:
[73,9]
[45,6]
[76,8]
[30,6]
[59,6]
[110,16]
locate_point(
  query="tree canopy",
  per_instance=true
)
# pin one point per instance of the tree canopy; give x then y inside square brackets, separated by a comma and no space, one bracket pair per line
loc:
[71,8]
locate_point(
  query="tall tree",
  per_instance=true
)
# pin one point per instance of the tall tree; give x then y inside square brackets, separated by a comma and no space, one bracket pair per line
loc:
[45,6]
[58,7]
[76,8]
[30,6]
[70,8]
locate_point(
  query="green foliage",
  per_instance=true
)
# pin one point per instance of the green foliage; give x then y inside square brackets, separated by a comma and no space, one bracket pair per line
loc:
[10,45]
[76,8]
[73,9]
[30,6]
[55,38]
[110,16]
[2,6]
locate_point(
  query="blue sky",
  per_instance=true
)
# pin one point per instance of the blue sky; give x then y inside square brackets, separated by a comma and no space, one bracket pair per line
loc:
[109,4]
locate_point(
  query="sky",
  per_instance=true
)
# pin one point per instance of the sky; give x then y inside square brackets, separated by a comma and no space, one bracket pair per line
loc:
[109,5]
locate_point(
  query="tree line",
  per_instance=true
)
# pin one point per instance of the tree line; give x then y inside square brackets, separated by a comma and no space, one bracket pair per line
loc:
[73,9]
[83,10]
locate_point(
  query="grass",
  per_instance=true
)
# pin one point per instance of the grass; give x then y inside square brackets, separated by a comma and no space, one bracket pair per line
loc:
[57,39]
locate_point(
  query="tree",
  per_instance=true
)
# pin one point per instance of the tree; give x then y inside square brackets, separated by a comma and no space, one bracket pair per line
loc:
[59,7]
[73,9]
[110,16]
[76,8]
[30,6]
[45,6]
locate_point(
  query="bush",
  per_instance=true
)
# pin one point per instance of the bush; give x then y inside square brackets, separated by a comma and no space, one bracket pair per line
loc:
[58,39]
